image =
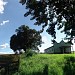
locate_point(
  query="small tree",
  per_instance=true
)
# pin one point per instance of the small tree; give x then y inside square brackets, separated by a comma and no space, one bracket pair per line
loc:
[25,38]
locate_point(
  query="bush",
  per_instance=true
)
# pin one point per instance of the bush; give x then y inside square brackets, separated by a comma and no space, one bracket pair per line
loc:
[69,68]
[30,53]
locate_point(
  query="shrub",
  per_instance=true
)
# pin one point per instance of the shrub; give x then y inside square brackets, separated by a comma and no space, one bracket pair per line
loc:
[30,53]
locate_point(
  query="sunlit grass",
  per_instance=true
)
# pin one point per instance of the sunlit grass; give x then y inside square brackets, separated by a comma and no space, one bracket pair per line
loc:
[52,64]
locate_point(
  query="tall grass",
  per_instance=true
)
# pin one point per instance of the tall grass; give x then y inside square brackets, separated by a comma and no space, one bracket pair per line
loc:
[47,64]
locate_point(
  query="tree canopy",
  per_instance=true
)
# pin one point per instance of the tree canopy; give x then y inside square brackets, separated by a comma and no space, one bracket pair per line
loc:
[25,38]
[51,13]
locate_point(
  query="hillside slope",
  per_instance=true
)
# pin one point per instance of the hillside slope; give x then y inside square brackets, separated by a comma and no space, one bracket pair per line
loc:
[47,64]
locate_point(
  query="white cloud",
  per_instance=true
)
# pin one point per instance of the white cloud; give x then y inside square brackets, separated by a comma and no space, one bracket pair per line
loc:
[4,22]
[2,4]
[3,46]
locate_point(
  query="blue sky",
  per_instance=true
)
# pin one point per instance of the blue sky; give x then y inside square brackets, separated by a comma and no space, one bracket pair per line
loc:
[11,17]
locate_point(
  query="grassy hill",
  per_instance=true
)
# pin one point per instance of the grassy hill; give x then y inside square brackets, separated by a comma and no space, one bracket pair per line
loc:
[47,64]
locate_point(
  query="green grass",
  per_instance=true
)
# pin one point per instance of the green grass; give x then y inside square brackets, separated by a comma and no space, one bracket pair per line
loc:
[47,64]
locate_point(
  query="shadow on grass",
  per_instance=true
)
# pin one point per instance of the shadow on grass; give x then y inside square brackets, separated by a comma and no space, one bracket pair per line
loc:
[69,68]
[45,71]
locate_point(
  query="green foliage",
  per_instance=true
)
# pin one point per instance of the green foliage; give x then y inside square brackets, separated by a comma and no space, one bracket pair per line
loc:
[30,53]
[69,68]
[25,38]
[45,12]
[47,64]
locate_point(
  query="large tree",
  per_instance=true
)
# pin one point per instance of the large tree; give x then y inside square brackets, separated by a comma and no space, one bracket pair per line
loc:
[51,13]
[25,38]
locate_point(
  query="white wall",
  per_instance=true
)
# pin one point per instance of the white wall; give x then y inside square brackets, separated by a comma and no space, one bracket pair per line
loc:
[73,46]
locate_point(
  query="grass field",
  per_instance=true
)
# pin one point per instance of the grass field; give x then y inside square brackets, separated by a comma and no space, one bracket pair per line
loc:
[47,64]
